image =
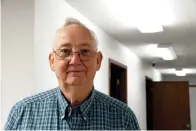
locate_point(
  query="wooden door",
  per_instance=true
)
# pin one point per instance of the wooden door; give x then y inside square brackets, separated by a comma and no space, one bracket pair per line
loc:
[118,80]
[171,110]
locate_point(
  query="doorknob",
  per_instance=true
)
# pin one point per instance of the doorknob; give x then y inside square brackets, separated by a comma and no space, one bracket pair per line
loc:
[188,126]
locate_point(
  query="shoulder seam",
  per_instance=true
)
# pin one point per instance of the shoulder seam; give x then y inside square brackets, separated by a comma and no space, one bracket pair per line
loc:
[114,101]
[35,98]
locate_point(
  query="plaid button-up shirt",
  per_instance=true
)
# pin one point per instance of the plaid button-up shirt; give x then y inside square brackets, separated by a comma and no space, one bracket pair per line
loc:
[50,111]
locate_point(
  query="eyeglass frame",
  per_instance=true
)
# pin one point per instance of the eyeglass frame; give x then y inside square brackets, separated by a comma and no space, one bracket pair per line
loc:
[71,54]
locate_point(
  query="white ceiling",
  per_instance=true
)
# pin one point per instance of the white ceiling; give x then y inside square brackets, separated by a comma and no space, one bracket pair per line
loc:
[179,25]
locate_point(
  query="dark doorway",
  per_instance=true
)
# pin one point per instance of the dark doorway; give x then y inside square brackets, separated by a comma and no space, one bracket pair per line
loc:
[118,80]
[149,103]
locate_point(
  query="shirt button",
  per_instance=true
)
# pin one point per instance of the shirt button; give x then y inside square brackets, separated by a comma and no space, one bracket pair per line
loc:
[84,118]
[62,117]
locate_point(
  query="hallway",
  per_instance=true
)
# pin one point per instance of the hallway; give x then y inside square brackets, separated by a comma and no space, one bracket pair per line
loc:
[28,28]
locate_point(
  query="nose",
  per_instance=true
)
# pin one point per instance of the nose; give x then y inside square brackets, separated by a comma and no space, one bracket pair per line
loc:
[75,59]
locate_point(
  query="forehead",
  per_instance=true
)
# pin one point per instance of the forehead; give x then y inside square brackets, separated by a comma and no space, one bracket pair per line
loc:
[74,35]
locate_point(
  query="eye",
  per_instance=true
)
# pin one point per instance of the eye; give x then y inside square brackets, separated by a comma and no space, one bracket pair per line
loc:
[85,52]
[64,52]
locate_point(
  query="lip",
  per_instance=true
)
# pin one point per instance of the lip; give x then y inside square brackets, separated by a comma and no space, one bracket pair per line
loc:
[75,71]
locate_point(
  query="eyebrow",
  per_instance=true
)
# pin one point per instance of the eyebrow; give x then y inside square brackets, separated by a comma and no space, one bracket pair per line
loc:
[70,45]
[84,44]
[65,45]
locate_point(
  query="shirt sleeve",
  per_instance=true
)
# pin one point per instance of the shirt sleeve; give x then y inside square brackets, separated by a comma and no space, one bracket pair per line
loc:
[131,121]
[12,120]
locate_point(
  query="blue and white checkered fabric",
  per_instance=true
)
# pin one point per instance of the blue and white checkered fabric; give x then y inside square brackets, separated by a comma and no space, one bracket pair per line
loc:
[50,111]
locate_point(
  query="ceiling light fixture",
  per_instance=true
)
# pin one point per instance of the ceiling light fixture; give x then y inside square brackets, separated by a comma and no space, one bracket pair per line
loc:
[147,16]
[166,52]
[180,72]
[150,29]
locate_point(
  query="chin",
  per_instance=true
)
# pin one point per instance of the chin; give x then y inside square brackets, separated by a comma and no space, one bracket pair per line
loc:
[75,81]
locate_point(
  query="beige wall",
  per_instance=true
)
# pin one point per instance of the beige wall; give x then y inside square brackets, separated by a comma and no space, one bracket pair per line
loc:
[17,52]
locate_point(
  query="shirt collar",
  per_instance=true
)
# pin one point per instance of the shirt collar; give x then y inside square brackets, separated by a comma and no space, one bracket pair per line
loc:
[84,107]
[61,102]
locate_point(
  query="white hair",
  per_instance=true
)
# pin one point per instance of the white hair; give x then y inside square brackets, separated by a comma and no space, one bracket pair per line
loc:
[71,21]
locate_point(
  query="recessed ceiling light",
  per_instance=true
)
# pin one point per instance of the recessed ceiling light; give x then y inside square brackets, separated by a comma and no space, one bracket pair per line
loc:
[150,27]
[166,52]
[180,72]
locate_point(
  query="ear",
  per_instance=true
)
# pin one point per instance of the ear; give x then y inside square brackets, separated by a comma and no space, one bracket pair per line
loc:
[99,60]
[51,61]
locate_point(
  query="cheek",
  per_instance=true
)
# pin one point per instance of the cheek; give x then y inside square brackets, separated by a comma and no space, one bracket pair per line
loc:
[91,67]
[61,68]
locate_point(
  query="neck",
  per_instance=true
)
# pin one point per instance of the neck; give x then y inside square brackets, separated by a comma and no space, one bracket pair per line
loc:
[76,94]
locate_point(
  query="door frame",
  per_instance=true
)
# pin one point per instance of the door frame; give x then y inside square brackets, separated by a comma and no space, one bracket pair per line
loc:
[112,61]
[151,80]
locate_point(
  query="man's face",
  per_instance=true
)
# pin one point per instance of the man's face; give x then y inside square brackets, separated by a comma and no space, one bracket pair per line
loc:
[79,69]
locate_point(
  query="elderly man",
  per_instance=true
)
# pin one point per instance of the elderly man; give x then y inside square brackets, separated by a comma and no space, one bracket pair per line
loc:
[75,104]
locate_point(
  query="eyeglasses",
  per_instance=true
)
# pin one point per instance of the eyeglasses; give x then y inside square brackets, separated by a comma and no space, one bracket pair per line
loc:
[66,54]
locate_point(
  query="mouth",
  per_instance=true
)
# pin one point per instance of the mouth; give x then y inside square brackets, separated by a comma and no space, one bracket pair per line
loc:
[76,71]
[75,74]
